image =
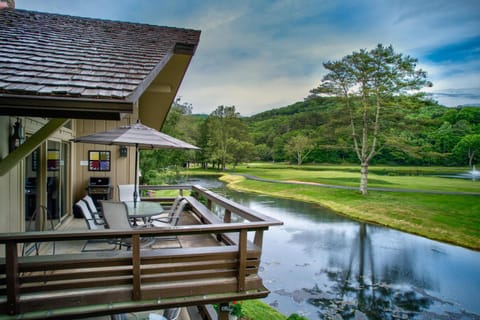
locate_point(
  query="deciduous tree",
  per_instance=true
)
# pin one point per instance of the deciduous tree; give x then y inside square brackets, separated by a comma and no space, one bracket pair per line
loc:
[299,147]
[367,80]
[224,127]
[469,146]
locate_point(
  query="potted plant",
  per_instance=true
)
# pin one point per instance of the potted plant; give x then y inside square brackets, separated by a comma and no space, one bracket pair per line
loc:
[235,310]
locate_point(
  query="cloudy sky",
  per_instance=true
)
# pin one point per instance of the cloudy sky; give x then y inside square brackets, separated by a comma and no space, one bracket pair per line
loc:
[264,54]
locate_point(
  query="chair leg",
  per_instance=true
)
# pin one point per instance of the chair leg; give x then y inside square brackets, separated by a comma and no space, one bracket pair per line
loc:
[98,241]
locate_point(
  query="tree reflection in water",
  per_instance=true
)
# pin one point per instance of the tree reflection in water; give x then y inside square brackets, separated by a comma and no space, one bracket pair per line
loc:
[355,290]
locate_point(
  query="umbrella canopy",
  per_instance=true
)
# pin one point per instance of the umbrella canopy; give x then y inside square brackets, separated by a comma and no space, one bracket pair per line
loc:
[138,135]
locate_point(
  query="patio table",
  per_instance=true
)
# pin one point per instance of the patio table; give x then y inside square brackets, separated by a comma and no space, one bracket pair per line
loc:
[143,209]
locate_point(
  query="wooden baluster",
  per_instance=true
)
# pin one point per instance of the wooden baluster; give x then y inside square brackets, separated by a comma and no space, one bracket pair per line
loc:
[13,283]
[137,290]
[228,216]
[242,259]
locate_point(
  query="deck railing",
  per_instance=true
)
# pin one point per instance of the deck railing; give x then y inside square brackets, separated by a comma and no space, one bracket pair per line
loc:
[97,283]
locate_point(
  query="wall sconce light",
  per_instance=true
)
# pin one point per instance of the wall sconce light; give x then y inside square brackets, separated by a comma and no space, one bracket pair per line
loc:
[17,138]
[123,151]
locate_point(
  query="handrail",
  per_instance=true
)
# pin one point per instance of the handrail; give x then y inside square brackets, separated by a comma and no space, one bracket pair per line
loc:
[137,260]
[21,237]
[244,212]
[243,268]
[227,204]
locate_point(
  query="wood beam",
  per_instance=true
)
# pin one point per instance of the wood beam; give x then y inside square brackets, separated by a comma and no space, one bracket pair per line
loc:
[13,158]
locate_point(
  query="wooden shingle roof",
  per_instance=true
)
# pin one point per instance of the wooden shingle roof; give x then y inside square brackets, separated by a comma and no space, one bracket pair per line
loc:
[52,59]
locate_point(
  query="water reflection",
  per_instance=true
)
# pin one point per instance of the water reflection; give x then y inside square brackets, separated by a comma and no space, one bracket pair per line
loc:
[323,265]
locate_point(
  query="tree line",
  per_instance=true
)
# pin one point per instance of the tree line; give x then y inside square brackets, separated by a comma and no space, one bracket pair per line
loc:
[418,132]
[366,109]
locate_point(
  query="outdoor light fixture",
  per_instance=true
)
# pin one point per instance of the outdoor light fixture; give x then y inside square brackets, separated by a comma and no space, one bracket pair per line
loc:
[123,151]
[17,138]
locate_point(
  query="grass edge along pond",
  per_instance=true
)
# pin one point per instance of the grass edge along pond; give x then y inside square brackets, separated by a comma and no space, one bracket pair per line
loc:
[453,219]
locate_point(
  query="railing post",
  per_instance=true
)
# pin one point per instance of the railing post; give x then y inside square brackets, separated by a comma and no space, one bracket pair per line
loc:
[209,204]
[242,259]
[137,290]
[13,283]
[228,216]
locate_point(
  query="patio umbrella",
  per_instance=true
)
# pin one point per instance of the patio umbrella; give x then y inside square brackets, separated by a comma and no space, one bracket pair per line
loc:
[138,135]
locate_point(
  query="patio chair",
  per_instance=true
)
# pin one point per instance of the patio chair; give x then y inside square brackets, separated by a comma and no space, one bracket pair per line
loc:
[125,192]
[172,219]
[92,224]
[172,313]
[40,213]
[116,217]
[92,207]
[167,215]
[167,314]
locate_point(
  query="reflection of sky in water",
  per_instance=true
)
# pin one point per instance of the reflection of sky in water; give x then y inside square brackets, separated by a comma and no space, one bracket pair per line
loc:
[319,264]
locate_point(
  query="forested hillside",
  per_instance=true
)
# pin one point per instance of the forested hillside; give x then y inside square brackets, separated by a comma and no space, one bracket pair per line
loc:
[414,132]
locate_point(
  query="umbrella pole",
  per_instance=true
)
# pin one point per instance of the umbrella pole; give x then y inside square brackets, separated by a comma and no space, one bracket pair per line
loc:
[135,192]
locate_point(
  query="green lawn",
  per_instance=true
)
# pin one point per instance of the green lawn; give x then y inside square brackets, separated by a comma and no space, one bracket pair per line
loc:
[379,176]
[448,218]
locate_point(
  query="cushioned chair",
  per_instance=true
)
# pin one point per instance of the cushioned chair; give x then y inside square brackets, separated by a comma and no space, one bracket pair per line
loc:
[172,313]
[92,207]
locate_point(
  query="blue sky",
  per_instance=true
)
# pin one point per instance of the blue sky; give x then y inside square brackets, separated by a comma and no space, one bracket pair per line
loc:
[261,54]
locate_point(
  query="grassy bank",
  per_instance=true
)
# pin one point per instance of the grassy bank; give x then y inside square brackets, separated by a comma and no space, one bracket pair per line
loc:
[449,218]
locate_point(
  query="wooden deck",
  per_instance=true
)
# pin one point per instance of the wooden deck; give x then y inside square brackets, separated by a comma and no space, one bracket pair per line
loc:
[204,260]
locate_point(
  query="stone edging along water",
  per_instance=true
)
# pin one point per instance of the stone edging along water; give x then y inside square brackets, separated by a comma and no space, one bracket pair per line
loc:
[322,185]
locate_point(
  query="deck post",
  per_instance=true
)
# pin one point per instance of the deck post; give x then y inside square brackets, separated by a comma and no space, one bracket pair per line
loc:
[11,272]
[137,291]
[242,259]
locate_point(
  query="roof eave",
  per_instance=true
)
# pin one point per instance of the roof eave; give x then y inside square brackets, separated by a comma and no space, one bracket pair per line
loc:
[61,107]
[179,48]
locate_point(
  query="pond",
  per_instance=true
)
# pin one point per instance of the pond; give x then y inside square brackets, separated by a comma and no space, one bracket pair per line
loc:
[321,265]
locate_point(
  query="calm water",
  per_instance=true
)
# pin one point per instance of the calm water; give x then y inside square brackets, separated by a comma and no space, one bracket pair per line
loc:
[320,264]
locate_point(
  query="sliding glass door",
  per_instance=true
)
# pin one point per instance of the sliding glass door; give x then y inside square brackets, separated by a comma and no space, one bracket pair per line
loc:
[55,164]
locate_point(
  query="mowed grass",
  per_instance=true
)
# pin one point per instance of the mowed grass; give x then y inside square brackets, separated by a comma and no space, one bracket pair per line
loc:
[416,178]
[449,218]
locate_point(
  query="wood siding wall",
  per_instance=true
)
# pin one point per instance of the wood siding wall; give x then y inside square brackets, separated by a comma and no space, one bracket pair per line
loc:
[122,169]
[12,185]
